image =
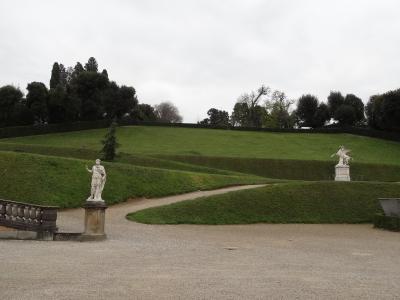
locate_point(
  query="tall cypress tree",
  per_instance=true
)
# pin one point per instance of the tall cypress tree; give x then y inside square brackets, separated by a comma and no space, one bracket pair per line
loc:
[110,143]
[55,75]
[91,65]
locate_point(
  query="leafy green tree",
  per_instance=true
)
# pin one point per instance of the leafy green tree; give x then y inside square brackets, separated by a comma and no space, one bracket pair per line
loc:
[36,100]
[278,111]
[55,75]
[10,96]
[110,144]
[91,65]
[216,118]
[307,106]
[119,101]
[240,115]
[346,115]
[358,106]
[391,110]
[335,99]
[374,112]
[143,112]
[321,115]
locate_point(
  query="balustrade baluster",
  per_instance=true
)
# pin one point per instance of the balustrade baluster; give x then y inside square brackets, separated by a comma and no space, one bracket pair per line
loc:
[28,217]
[2,210]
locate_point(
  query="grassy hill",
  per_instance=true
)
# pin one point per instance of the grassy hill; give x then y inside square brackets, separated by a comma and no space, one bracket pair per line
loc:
[316,202]
[224,143]
[65,182]
[160,161]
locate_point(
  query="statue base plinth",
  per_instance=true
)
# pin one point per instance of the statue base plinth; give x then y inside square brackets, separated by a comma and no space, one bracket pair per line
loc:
[95,213]
[342,173]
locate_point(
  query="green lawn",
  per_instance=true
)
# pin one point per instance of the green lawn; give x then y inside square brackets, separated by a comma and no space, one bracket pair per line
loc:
[226,143]
[65,182]
[316,202]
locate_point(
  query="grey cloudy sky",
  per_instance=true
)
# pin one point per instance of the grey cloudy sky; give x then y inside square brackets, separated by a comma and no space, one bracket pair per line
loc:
[205,53]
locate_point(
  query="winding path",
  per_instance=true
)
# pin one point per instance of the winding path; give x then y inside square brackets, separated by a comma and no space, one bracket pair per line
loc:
[259,261]
[71,219]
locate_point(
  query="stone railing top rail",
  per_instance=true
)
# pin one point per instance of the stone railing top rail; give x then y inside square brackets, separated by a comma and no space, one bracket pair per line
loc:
[29,204]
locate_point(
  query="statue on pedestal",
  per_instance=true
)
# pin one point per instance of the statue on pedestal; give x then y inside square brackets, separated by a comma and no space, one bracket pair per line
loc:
[98,181]
[344,158]
[342,169]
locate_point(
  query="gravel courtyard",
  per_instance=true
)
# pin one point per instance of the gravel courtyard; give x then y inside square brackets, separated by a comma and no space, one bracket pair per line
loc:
[259,261]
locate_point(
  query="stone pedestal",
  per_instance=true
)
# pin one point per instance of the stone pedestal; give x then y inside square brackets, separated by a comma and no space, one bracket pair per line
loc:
[95,213]
[342,173]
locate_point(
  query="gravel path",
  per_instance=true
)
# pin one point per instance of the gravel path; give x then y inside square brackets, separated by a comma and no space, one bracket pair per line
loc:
[260,261]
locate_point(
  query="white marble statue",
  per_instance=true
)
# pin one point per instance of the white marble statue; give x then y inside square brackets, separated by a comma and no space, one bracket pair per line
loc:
[344,158]
[98,181]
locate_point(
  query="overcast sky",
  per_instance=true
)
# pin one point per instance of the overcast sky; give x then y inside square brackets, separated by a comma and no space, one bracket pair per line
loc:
[206,53]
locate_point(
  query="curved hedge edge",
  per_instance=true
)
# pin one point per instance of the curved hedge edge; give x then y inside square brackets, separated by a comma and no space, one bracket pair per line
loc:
[387,222]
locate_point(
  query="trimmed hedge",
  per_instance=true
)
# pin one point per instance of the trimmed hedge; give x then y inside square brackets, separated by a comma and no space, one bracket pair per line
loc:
[8,132]
[387,222]
[290,168]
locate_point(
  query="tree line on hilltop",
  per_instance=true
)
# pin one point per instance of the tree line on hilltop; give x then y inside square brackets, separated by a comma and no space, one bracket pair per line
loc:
[82,93]
[79,93]
[265,108]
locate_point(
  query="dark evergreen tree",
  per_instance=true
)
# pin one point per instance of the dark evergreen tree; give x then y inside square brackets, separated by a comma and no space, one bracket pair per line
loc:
[321,115]
[307,107]
[36,100]
[91,65]
[88,89]
[346,115]
[391,110]
[335,99]
[104,73]
[357,104]
[10,97]
[22,115]
[110,144]
[55,75]
[63,76]
[374,112]
[78,69]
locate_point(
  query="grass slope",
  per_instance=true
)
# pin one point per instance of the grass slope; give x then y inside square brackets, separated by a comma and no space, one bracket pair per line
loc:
[292,169]
[138,160]
[318,202]
[225,143]
[65,182]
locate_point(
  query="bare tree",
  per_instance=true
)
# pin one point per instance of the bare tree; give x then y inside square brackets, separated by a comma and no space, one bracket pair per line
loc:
[167,112]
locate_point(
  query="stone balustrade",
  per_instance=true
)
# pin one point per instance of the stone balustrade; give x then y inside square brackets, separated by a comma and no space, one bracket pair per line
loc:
[30,217]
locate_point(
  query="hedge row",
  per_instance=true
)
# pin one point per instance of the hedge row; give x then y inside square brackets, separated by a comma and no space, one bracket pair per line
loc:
[7,132]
